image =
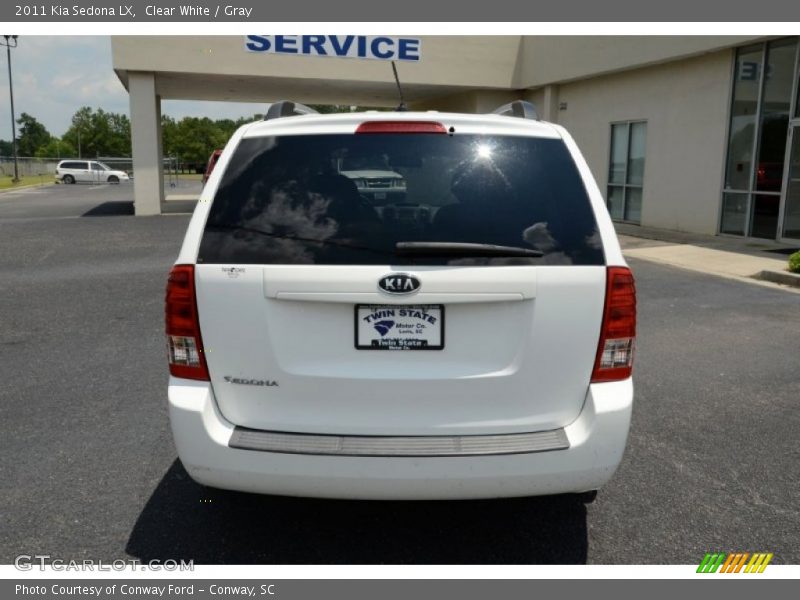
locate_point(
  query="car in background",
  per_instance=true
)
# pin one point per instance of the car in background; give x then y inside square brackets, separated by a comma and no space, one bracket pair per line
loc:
[769,176]
[374,181]
[88,171]
[212,162]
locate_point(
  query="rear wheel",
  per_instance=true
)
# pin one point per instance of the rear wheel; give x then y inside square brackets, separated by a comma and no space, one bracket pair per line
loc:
[68,179]
[113,179]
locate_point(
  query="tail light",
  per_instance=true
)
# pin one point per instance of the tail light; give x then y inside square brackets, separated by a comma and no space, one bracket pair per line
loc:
[184,345]
[401,127]
[614,360]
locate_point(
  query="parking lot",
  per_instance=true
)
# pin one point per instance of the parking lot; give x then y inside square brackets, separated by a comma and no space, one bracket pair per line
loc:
[88,468]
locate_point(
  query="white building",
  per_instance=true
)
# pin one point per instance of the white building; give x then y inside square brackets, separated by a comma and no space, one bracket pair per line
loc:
[690,133]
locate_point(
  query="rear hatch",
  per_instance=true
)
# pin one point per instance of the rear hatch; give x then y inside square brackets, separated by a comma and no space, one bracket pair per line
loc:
[471,304]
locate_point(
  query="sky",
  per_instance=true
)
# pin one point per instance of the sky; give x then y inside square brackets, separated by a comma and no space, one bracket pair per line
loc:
[55,76]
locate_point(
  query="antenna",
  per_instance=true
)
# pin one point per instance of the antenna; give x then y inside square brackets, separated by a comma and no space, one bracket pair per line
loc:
[402,107]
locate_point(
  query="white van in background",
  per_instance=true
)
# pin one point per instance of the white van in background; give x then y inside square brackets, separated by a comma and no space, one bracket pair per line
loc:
[88,171]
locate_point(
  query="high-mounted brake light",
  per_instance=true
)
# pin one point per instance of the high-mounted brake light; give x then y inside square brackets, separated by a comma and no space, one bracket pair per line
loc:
[614,360]
[184,345]
[401,127]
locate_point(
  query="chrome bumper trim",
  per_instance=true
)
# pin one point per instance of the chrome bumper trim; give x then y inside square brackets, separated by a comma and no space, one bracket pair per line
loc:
[364,445]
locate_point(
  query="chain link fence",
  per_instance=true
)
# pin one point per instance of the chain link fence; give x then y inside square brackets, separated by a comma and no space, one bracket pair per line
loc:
[44,169]
[28,167]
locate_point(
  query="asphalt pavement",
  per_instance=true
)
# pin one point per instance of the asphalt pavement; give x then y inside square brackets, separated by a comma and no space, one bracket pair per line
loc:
[58,201]
[88,468]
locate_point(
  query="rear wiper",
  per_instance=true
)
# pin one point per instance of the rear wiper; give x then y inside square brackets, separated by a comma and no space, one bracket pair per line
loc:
[461,249]
[283,236]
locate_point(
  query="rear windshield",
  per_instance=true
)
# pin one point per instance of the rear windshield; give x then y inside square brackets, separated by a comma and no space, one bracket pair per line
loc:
[355,199]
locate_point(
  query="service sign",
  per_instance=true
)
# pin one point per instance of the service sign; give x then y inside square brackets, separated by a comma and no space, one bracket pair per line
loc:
[373,47]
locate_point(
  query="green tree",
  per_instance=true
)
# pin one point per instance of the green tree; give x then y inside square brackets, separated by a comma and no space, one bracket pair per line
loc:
[226,126]
[99,133]
[56,148]
[194,139]
[325,109]
[6,149]
[79,132]
[32,135]
[169,133]
[119,143]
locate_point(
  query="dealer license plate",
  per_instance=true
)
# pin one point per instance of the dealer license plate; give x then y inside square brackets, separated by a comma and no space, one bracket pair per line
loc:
[399,327]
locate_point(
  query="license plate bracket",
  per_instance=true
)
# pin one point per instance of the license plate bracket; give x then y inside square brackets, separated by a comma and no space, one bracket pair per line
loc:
[399,326]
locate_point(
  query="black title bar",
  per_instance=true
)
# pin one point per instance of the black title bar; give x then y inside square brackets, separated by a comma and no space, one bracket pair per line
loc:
[144,11]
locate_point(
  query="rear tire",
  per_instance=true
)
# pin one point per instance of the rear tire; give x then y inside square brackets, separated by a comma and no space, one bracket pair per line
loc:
[113,179]
[68,179]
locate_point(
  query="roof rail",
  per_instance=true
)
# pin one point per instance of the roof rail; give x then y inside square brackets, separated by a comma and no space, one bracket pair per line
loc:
[287,108]
[518,108]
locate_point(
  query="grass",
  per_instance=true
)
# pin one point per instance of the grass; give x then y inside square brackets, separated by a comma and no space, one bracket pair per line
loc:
[6,182]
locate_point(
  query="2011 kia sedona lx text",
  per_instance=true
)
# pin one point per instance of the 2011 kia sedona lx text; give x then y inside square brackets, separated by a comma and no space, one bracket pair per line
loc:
[470,337]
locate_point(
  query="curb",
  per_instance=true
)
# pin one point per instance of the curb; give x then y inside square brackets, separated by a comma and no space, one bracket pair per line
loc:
[783,277]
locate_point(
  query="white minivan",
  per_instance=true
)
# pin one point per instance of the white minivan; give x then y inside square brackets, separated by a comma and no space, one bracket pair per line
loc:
[88,171]
[471,339]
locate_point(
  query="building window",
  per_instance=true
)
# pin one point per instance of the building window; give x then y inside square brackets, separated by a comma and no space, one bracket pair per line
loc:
[764,84]
[626,170]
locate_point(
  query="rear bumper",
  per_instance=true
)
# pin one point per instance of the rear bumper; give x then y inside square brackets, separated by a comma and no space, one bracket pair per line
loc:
[596,438]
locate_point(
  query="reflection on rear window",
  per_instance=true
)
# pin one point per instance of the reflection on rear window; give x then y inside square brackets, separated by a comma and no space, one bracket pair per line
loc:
[349,199]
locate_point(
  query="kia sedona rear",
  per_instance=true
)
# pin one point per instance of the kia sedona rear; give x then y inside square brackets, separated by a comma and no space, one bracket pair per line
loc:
[471,337]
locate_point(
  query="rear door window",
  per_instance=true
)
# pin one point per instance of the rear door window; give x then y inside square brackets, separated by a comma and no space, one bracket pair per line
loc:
[352,199]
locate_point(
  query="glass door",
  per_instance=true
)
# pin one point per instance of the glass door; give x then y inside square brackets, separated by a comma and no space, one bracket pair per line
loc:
[776,105]
[791,209]
[764,108]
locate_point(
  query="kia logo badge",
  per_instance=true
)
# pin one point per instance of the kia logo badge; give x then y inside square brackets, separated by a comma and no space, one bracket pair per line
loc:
[399,283]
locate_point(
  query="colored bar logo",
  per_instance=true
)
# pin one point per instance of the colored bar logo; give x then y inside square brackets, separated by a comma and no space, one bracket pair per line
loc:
[734,562]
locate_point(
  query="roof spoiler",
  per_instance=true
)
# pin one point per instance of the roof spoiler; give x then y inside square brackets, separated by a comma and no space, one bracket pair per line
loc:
[521,109]
[287,108]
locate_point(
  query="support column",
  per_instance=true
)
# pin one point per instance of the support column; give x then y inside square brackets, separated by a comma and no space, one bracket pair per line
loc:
[148,174]
[550,104]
